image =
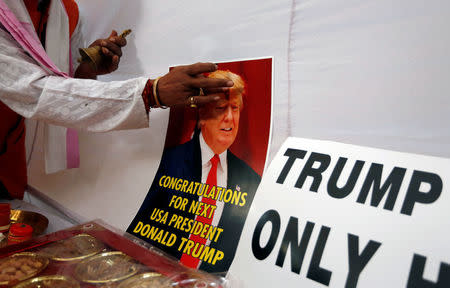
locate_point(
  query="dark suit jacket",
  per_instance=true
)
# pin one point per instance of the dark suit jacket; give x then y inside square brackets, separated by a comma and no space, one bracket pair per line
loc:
[184,161]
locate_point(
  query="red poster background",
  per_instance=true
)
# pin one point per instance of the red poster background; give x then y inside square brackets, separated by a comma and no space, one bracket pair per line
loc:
[252,140]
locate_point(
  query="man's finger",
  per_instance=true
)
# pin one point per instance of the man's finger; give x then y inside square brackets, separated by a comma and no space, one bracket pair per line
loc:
[115,49]
[106,52]
[198,68]
[115,63]
[120,41]
[115,60]
[215,90]
[211,83]
[113,33]
[202,100]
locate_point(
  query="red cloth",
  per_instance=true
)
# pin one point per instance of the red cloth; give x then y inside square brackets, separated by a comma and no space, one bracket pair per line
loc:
[70,6]
[188,260]
[13,169]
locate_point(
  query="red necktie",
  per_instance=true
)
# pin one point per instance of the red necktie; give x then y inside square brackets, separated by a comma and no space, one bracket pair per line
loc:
[188,260]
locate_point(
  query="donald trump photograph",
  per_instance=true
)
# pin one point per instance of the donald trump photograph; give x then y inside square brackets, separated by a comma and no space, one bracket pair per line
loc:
[205,158]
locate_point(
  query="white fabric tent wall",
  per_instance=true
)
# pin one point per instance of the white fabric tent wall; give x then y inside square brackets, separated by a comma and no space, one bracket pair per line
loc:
[371,73]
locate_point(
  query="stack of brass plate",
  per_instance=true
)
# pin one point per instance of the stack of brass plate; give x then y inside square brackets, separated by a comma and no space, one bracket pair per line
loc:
[106,267]
[53,281]
[76,248]
[21,266]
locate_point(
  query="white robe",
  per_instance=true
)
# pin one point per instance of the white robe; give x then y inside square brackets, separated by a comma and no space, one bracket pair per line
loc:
[33,92]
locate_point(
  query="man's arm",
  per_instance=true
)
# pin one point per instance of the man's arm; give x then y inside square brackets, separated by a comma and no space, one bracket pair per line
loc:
[91,105]
[33,92]
[174,88]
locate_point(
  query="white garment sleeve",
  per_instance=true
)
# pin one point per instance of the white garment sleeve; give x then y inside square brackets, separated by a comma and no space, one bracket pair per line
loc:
[90,105]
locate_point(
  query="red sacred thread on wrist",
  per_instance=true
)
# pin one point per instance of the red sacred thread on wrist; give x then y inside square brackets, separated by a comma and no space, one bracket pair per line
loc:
[147,95]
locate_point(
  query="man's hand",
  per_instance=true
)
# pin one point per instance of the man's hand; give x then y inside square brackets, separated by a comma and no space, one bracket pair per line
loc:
[111,48]
[183,82]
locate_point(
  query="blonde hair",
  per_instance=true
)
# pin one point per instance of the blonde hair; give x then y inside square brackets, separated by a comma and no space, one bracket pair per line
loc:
[238,88]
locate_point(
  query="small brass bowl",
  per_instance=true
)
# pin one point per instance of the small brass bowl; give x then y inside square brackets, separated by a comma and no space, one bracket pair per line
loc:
[36,220]
[46,282]
[8,263]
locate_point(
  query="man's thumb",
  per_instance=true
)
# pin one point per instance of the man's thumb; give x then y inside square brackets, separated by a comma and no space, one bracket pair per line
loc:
[113,33]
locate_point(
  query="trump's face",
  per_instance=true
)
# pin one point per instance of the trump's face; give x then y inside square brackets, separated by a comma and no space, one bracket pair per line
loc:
[219,123]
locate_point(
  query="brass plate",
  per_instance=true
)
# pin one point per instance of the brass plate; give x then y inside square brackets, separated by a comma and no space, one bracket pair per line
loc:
[76,248]
[147,280]
[54,281]
[106,267]
[8,264]
[38,221]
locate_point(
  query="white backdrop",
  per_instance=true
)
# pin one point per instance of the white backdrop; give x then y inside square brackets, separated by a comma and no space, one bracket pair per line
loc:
[370,73]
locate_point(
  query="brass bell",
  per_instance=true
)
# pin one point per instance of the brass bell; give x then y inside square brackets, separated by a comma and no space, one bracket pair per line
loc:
[93,55]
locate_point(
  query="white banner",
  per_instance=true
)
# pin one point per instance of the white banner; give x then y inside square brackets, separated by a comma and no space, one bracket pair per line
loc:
[338,215]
